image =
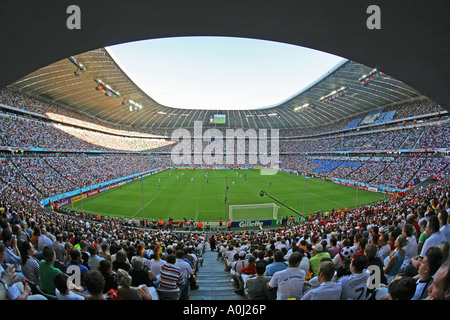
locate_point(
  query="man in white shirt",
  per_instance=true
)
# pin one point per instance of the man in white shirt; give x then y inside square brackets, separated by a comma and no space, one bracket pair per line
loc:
[44,240]
[187,272]
[354,286]
[385,249]
[444,226]
[411,248]
[328,289]
[434,235]
[290,281]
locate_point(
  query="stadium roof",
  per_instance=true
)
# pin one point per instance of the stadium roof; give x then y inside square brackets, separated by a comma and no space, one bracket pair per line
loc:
[72,82]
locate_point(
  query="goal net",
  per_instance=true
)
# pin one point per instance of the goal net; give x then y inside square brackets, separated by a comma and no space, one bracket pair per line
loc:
[245,212]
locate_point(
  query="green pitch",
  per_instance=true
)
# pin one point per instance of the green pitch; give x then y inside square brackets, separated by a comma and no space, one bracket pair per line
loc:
[189,194]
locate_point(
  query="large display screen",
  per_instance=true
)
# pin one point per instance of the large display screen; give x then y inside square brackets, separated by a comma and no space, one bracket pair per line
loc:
[218,118]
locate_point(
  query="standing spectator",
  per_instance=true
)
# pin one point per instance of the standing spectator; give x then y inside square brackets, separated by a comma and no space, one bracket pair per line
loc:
[328,289]
[289,282]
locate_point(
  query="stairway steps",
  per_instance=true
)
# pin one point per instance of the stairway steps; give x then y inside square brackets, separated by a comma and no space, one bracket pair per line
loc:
[214,283]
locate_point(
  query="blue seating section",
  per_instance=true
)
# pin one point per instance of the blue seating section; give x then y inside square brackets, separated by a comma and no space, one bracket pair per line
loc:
[329,165]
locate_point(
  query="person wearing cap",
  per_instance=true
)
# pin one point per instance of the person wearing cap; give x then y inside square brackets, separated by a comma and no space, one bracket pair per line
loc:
[318,255]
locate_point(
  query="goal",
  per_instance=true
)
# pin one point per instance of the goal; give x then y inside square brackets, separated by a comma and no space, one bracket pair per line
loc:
[245,212]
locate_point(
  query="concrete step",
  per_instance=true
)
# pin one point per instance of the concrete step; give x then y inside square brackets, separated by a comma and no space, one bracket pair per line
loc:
[214,283]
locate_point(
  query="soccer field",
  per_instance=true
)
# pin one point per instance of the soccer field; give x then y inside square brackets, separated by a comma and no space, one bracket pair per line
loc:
[189,194]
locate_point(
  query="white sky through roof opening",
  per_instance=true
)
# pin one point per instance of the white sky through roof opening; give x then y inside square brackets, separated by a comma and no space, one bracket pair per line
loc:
[220,73]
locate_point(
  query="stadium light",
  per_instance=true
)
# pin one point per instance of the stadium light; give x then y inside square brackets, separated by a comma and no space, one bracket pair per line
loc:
[79,66]
[106,89]
[366,78]
[334,94]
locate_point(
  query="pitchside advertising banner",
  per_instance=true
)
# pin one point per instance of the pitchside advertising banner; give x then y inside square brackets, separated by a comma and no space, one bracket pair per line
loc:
[76,195]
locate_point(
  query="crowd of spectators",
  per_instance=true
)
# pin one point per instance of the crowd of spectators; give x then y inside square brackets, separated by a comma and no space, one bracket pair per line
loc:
[332,257]
[325,256]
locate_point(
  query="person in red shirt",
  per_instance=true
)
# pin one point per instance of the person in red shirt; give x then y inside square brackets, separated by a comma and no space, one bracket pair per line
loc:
[245,272]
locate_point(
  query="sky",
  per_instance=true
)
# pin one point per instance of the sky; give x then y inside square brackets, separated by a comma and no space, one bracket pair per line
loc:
[220,73]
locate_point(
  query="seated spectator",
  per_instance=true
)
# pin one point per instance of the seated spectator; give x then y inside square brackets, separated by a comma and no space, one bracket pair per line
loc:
[372,260]
[47,270]
[128,292]
[139,273]
[277,265]
[434,235]
[245,272]
[401,289]
[318,255]
[289,282]
[11,286]
[328,289]
[354,286]
[171,279]
[30,265]
[94,258]
[12,253]
[427,268]
[76,262]
[105,268]
[62,291]
[396,258]
[334,248]
[385,248]
[94,283]
[121,261]
[411,244]
[440,288]
[255,284]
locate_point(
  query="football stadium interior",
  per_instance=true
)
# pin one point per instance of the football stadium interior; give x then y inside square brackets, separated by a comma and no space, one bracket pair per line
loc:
[153,202]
